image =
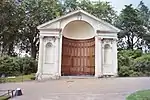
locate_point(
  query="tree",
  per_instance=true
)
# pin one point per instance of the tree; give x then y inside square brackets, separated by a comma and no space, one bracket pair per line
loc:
[9,24]
[69,6]
[35,13]
[19,19]
[102,10]
[144,13]
[132,28]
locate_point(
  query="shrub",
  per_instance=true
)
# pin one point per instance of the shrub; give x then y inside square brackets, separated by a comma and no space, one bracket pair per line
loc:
[125,62]
[145,57]
[142,64]
[125,71]
[9,66]
[13,66]
[135,74]
[131,53]
[133,63]
[27,65]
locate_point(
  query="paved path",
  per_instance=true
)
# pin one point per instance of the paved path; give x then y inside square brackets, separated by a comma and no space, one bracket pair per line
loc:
[80,89]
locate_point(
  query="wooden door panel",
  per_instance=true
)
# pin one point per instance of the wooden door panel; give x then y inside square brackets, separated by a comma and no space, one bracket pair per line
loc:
[78,57]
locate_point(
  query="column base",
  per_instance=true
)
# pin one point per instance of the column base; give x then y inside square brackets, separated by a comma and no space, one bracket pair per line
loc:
[98,75]
[41,77]
[106,75]
[116,75]
[38,76]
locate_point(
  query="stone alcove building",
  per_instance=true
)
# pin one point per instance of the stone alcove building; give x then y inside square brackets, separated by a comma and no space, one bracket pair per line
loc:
[77,44]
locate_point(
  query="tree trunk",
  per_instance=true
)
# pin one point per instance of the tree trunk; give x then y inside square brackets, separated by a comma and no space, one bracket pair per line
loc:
[128,42]
[10,49]
[132,43]
[33,50]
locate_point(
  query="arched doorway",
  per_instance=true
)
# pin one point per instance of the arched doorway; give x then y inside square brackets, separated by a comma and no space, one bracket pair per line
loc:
[78,49]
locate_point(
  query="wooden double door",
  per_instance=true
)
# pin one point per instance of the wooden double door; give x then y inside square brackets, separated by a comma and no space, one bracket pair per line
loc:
[78,57]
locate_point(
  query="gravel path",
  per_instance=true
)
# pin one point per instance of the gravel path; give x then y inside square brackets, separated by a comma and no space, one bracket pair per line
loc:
[80,89]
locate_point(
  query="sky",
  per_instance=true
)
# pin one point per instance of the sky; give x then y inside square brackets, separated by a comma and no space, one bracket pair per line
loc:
[119,4]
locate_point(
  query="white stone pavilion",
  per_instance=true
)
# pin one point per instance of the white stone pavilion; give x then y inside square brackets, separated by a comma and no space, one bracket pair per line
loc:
[77,44]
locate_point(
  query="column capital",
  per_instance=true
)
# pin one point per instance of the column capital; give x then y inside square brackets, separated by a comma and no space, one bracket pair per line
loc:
[99,38]
[115,39]
[41,37]
[57,37]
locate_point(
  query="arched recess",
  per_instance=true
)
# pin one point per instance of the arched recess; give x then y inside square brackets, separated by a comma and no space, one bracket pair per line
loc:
[78,49]
[78,29]
[49,53]
[107,54]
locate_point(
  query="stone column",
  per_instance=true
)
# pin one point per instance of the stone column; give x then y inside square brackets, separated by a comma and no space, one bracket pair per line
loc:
[40,60]
[98,57]
[60,53]
[58,56]
[115,60]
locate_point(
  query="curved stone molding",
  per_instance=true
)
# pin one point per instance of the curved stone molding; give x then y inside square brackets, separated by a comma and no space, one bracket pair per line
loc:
[107,41]
[50,38]
[49,44]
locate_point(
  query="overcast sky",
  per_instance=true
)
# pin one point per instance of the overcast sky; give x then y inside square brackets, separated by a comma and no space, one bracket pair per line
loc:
[119,4]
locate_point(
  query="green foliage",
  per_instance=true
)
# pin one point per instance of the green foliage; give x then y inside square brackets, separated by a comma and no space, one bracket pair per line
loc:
[102,10]
[27,65]
[125,71]
[142,64]
[132,28]
[13,66]
[69,6]
[144,13]
[133,63]
[135,26]
[19,20]
[145,57]
[34,13]
[10,21]
[125,63]
[8,66]
[131,54]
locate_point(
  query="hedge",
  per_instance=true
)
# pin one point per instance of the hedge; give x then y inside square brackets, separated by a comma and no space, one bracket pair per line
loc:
[14,66]
[133,63]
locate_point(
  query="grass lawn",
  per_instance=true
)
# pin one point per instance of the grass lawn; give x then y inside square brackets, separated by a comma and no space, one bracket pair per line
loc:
[140,95]
[4,97]
[18,78]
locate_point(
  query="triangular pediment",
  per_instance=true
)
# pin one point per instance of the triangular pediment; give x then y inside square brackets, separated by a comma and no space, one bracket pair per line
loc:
[94,21]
